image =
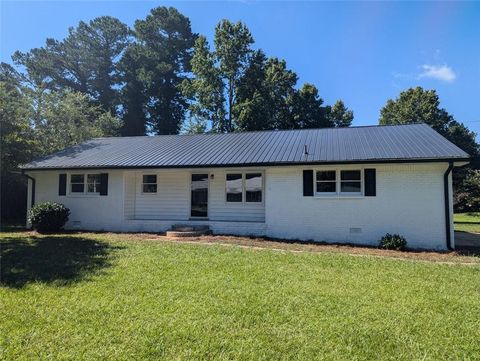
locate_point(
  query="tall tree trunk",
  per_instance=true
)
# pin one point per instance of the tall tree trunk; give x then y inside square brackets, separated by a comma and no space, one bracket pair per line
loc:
[230,105]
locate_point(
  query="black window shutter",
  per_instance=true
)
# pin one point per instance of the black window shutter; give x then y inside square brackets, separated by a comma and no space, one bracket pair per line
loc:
[370,182]
[62,184]
[104,184]
[308,183]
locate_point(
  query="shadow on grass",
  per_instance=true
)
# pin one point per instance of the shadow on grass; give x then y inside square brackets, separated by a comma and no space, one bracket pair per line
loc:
[57,260]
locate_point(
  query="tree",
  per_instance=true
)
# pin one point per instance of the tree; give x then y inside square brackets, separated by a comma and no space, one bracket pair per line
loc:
[308,111]
[239,89]
[85,61]
[206,88]
[340,116]
[164,44]
[417,105]
[467,198]
[16,135]
[232,50]
[221,72]
[133,93]
[67,119]
[34,122]
[264,94]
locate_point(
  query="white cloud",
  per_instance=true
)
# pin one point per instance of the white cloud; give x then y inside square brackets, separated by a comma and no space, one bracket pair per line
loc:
[437,72]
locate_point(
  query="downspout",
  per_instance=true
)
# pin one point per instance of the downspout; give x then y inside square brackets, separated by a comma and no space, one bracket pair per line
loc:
[446,191]
[33,186]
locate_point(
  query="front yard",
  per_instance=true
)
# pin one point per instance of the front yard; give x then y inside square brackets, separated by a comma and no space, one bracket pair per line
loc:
[467,222]
[132,297]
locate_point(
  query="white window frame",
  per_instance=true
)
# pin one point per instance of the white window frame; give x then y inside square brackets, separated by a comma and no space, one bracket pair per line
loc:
[85,185]
[244,187]
[142,184]
[338,184]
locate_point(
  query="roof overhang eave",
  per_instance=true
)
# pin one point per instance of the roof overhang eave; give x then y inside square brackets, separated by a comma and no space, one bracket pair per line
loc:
[458,162]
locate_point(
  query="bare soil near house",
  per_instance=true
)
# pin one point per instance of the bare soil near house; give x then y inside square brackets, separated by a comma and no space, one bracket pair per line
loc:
[459,256]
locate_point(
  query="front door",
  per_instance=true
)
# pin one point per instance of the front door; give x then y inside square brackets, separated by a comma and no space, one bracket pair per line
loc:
[199,195]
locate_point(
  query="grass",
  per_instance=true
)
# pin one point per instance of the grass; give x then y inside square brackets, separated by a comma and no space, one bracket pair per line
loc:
[467,222]
[124,297]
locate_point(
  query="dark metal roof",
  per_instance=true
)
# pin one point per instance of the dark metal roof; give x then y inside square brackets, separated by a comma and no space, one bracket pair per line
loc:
[415,142]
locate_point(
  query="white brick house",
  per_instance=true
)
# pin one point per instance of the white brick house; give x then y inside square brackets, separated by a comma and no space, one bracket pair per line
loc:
[335,185]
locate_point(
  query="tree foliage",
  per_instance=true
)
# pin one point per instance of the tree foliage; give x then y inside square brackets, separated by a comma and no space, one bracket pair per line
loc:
[65,119]
[163,43]
[467,196]
[239,89]
[340,116]
[85,61]
[35,121]
[417,105]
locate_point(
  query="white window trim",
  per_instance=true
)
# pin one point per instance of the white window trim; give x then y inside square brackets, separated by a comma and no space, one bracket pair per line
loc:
[338,184]
[85,192]
[244,188]
[141,184]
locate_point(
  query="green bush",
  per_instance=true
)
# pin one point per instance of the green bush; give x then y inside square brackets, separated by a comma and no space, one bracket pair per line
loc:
[48,216]
[393,241]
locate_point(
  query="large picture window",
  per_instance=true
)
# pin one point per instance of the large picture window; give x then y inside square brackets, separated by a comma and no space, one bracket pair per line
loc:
[149,183]
[335,182]
[244,187]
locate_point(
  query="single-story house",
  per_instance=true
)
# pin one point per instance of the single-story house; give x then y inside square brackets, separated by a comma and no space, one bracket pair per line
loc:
[336,185]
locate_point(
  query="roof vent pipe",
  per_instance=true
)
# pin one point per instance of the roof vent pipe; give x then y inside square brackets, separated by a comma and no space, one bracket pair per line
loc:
[305,150]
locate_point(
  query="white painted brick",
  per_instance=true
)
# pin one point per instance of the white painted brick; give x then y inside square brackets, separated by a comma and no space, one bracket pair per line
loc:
[409,201]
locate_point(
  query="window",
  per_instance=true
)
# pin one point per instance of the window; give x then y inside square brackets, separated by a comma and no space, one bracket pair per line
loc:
[253,187]
[326,181]
[77,183]
[234,187]
[244,187]
[346,182]
[149,184]
[93,183]
[351,181]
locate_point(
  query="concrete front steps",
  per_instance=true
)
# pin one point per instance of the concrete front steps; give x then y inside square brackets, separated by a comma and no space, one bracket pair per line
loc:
[181,230]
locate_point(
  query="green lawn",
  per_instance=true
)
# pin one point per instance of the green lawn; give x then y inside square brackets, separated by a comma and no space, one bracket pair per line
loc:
[467,222]
[108,297]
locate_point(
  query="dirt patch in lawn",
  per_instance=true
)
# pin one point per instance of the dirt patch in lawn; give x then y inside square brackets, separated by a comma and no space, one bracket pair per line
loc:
[466,256]
[454,257]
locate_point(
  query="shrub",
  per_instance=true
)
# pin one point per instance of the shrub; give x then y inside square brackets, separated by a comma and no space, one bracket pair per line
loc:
[393,241]
[48,216]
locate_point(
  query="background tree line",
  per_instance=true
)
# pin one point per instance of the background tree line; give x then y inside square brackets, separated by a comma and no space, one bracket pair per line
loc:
[158,77]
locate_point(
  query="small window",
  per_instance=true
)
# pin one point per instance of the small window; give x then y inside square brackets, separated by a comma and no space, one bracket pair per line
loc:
[326,181]
[234,188]
[149,184]
[351,181]
[77,183]
[253,187]
[93,183]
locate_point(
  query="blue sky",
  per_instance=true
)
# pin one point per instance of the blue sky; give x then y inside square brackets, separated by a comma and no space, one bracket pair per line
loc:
[363,53]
